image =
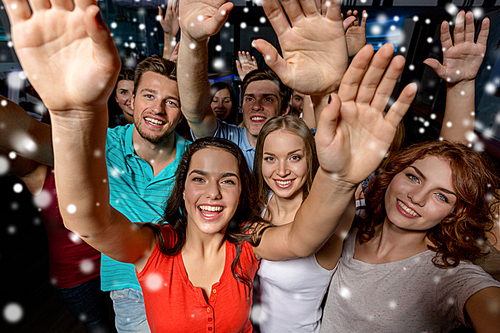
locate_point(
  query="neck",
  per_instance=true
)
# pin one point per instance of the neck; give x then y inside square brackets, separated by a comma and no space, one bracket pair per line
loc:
[393,243]
[251,139]
[283,210]
[158,155]
[202,244]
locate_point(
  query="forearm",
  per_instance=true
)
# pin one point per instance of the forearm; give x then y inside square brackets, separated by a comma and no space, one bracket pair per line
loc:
[308,112]
[24,134]
[80,169]
[458,120]
[194,86]
[168,45]
[320,214]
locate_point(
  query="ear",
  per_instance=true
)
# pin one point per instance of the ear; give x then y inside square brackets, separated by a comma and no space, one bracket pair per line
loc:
[132,101]
[286,111]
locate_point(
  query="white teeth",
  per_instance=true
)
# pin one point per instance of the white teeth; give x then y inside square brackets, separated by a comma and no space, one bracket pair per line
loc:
[408,209]
[258,118]
[283,182]
[211,208]
[154,121]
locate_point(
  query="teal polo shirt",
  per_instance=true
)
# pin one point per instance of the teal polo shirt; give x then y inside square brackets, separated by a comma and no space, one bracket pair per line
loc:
[135,193]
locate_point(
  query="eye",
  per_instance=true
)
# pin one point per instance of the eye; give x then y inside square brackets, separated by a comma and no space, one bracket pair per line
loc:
[295,158]
[197,179]
[124,92]
[227,101]
[149,96]
[228,181]
[269,159]
[268,99]
[442,197]
[172,104]
[248,99]
[413,177]
[298,99]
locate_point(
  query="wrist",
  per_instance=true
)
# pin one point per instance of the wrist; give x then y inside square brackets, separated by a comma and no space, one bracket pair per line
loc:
[462,84]
[337,183]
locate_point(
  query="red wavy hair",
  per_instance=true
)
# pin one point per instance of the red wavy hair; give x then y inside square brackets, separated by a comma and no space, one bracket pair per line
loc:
[460,234]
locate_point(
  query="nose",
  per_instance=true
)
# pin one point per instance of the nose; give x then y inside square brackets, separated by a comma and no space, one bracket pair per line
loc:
[417,197]
[157,106]
[282,169]
[213,191]
[257,105]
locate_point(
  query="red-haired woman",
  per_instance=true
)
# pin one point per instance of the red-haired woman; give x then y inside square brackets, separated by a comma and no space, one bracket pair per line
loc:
[407,266]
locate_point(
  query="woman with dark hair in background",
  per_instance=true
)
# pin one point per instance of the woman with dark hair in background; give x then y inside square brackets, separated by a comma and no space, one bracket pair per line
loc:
[121,111]
[224,102]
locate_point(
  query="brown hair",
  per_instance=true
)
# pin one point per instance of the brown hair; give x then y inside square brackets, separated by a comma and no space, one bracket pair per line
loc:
[459,235]
[175,213]
[262,74]
[294,125]
[157,65]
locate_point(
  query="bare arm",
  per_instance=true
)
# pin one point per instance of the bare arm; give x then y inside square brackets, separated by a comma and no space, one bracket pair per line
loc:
[200,19]
[462,59]
[351,141]
[483,309]
[170,25]
[70,58]
[23,134]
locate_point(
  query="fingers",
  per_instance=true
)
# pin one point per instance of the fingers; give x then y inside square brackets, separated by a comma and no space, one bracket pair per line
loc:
[104,49]
[401,106]
[66,4]
[482,38]
[356,21]
[309,8]
[458,33]
[372,78]
[160,12]
[352,78]
[364,16]
[238,67]
[82,4]
[293,9]
[333,10]
[327,125]
[17,10]
[39,4]
[446,41]
[387,84]
[469,27]
[271,57]
[276,16]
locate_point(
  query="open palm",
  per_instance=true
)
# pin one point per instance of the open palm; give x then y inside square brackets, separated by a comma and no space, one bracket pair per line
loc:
[58,54]
[314,47]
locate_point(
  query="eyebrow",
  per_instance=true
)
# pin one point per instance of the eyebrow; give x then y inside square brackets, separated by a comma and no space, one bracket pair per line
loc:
[424,178]
[264,95]
[289,153]
[222,175]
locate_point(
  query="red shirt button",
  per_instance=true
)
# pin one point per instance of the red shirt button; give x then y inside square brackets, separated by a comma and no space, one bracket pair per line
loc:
[210,328]
[209,319]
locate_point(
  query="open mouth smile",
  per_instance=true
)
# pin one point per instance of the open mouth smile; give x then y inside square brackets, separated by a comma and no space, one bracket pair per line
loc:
[153,121]
[210,211]
[283,183]
[407,209]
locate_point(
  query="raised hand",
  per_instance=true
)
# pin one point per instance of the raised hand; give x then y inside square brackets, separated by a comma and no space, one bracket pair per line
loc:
[353,133]
[170,21]
[461,56]
[355,34]
[66,50]
[200,19]
[246,64]
[314,47]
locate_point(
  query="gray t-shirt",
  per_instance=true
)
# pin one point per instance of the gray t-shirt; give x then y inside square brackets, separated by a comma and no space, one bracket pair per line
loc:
[410,295]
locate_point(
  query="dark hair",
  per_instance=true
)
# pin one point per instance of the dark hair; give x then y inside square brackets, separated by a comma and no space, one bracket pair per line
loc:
[294,125]
[220,85]
[125,74]
[114,111]
[157,65]
[176,215]
[458,236]
[261,74]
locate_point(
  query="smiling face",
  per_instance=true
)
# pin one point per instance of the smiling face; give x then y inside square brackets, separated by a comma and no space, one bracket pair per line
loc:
[421,196]
[123,96]
[212,190]
[260,103]
[284,163]
[156,107]
[222,104]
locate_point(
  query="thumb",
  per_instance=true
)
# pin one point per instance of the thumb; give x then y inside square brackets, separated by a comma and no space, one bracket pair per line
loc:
[103,46]
[215,24]
[436,66]
[271,57]
[327,125]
